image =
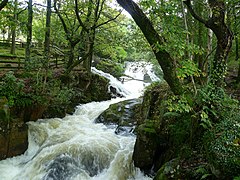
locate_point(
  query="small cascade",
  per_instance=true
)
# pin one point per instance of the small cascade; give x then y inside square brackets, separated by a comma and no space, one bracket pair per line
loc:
[115,84]
[75,147]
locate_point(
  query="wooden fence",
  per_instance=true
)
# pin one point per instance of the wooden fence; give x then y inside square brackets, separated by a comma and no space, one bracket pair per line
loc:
[14,62]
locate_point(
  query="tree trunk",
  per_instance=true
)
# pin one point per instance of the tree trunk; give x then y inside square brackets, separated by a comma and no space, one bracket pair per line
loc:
[13,44]
[199,57]
[71,55]
[29,33]
[89,50]
[154,39]
[13,39]
[47,32]
[47,42]
[224,38]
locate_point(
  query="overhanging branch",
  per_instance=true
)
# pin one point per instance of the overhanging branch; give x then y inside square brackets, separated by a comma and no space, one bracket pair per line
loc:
[189,6]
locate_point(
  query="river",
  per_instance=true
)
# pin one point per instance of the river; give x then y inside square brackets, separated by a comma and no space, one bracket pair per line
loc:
[75,147]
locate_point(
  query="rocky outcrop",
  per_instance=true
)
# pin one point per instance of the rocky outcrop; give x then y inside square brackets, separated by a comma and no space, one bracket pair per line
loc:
[123,114]
[176,145]
[152,137]
[13,139]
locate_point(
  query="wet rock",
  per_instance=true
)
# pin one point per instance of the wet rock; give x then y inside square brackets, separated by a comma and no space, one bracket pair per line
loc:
[123,114]
[61,168]
[147,78]
[114,92]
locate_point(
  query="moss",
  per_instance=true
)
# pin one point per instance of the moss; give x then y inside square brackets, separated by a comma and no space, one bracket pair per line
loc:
[110,67]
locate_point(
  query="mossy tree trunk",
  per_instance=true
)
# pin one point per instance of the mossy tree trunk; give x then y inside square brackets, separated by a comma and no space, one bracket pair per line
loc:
[224,37]
[165,60]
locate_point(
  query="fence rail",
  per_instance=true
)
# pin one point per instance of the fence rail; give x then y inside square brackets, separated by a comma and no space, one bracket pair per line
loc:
[17,63]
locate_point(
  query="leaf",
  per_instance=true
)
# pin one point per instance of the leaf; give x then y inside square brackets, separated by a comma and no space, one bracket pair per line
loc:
[150,130]
[171,114]
[205,176]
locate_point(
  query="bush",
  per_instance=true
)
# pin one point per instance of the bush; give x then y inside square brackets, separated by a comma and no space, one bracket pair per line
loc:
[12,88]
[222,146]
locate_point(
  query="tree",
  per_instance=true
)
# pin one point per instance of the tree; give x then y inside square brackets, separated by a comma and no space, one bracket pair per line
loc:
[165,60]
[13,46]
[223,34]
[47,31]
[80,28]
[3,4]
[29,32]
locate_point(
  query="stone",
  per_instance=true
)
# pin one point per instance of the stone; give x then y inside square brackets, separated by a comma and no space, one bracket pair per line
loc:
[123,114]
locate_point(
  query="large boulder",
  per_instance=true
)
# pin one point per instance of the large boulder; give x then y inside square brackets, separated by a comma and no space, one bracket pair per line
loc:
[123,114]
[13,133]
[152,131]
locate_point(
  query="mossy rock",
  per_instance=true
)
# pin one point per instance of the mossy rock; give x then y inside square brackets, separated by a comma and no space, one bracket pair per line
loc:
[152,137]
[122,114]
[4,109]
[170,170]
[93,89]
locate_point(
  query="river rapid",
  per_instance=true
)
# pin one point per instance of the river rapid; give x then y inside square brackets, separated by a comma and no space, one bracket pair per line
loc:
[75,147]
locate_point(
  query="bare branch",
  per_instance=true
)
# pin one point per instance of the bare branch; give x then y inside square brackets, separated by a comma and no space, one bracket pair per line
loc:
[112,19]
[100,11]
[188,4]
[62,20]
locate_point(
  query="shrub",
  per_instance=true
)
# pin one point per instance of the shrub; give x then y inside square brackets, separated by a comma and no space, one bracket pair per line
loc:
[222,145]
[11,87]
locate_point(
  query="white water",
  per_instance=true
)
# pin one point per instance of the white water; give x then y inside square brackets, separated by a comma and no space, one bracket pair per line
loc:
[75,148]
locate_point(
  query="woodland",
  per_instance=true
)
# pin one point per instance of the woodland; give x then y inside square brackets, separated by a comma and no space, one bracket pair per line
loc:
[190,121]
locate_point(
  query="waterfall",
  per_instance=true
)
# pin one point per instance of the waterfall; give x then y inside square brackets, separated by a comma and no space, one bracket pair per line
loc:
[74,147]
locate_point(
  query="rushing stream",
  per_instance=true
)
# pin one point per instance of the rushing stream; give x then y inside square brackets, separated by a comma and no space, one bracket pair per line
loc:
[75,147]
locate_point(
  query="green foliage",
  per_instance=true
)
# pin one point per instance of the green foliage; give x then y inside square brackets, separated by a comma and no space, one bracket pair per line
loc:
[179,104]
[222,145]
[111,67]
[180,131]
[62,96]
[214,104]
[11,87]
[29,89]
[150,126]
[187,68]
